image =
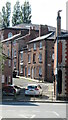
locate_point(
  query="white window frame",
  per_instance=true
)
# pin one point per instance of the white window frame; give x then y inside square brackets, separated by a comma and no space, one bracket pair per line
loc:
[21,55]
[40,57]
[29,58]
[34,46]
[21,69]
[40,70]
[28,70]
[40,45]
[14,42]
[10,34]
[14,63]
[3,79]
[15,53]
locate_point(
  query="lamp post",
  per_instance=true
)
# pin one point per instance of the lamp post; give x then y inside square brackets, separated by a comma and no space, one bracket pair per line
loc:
[58,33]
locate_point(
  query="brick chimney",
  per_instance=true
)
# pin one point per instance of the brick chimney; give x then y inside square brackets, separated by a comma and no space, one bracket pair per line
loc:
[58,24]
[43,30]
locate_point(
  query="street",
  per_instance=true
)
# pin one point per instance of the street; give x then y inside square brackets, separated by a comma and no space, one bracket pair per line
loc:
[46,87]
[33,110]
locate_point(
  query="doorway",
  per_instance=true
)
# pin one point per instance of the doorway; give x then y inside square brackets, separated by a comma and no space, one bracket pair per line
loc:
[59,82]
[32,73]
[25,72]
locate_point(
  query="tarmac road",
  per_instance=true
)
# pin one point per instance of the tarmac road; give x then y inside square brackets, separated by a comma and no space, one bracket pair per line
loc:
[33,110]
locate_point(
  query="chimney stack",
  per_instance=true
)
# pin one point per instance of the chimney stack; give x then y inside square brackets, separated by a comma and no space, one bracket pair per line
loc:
[58,31]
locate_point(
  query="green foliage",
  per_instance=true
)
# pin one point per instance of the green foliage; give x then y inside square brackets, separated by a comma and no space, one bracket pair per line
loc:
[0,20]
[26,12]
[2,58]
[16,18]
[6,14]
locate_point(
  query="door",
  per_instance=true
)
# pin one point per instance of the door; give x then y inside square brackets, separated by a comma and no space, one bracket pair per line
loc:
[25,72]
[59,84]
[32,73]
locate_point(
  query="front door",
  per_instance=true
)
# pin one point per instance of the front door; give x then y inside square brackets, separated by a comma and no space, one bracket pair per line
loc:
[32,73]
[25,72]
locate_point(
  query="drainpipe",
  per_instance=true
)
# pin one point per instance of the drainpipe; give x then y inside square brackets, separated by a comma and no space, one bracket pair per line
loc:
[11,64]
[58,33]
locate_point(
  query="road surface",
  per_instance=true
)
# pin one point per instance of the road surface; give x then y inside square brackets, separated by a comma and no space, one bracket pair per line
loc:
[33,110]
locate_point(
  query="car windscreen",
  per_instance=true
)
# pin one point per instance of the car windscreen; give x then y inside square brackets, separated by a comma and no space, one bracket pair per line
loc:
[32,87]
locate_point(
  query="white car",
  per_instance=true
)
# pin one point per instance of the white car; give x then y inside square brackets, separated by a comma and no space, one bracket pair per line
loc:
[33,89]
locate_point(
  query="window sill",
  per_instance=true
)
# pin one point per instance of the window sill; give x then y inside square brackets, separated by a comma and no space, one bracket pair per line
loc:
[21,61]
[28,75]
[29,50]
[29,62]
[15,56]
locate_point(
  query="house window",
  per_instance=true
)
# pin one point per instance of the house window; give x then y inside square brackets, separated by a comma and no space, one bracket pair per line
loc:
[34,46]
[9,63]
[53,56]
[21,69]
[7,43]
[40,71]
[40,57]
[21,55]
[29,71]
[40,45]
[14,53]
[29,58]
[3,79]
[9,34]
[34,57]
[14,43]
[9,79]
[14,63]
[8,53]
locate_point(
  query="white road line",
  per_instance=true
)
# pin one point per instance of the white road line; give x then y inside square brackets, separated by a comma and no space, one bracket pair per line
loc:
[56,113]
[32,116]
[23,116]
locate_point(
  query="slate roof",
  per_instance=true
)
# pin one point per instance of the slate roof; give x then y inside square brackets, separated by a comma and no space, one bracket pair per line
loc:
[41,38]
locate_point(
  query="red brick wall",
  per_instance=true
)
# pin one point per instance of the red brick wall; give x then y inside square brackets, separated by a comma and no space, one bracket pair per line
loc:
[60,52]
[66,76]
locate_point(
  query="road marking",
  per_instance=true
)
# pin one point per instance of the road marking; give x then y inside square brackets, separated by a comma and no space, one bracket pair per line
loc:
[27,116]
[56,113]
[32,116]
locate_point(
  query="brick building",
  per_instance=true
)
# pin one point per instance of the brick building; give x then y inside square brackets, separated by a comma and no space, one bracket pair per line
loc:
[61,63]
[36,60]
[19,49]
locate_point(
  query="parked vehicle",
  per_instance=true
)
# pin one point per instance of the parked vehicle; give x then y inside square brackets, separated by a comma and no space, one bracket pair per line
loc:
[11,90]
[33,89]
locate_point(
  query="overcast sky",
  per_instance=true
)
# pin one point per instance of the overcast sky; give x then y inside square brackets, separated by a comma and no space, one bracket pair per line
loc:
[44,11]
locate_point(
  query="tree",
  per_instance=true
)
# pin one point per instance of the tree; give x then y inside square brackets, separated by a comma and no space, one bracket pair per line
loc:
[16,18]
[6,14]
[3,17]
[0,20]
[26,12]
[3,57]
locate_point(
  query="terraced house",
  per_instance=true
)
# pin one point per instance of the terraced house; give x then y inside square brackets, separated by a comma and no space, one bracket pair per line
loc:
[37,59]
[18,46]
[61,63]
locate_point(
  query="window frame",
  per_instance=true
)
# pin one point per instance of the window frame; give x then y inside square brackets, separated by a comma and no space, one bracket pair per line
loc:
[34,46]
[40,46]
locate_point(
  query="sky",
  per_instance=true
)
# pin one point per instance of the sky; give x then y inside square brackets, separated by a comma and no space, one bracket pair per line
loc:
[44,11]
